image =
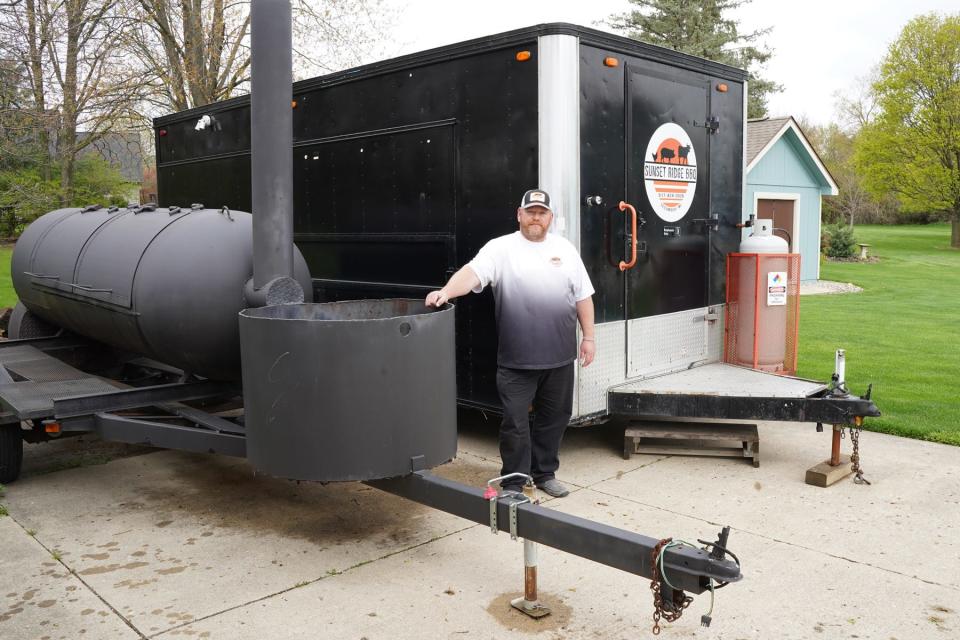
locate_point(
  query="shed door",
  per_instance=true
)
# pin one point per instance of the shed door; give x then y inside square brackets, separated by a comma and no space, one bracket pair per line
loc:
[782,214]
[668,182]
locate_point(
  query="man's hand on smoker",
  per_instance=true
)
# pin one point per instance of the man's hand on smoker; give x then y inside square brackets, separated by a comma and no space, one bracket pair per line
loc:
[436,299]
[588,348]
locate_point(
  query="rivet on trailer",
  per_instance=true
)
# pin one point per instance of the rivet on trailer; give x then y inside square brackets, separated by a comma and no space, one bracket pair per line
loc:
[194,328]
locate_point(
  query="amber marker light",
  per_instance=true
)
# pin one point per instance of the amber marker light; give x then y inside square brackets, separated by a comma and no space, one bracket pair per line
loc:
[523,56]
[293,104]
[611,62]
[52,427]
[722,87]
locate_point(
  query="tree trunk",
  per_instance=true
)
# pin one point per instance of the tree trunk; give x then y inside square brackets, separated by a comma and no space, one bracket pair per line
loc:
[955,230]
[42,124]
[68,128]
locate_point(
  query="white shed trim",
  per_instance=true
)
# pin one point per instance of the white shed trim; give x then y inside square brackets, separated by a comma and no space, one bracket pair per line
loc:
[795,232]
[792,125]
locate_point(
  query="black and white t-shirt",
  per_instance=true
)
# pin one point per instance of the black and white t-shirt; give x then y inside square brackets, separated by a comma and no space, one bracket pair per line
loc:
[536,286]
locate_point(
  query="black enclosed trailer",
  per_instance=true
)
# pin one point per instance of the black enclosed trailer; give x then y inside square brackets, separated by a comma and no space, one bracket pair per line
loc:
[403,169]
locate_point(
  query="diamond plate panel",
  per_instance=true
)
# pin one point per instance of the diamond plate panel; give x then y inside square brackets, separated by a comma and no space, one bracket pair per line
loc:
[669,342]
[608,368]
[715,334]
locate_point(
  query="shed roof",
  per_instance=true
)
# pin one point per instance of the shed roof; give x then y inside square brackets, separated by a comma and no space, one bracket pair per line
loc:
[763,133]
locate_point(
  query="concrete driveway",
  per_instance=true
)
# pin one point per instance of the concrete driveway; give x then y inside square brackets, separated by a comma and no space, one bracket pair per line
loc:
[106,541]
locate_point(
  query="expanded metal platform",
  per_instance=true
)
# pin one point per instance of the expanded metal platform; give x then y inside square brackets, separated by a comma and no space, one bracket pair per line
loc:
[40,379]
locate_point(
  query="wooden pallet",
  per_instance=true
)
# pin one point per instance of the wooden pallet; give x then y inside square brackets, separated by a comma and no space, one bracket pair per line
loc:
[693,439]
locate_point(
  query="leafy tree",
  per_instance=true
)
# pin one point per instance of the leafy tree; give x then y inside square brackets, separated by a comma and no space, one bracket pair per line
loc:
[912,147]
[853,203]
[700,28]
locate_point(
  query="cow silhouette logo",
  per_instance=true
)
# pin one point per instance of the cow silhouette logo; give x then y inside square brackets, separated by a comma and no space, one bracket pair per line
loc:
[670,174]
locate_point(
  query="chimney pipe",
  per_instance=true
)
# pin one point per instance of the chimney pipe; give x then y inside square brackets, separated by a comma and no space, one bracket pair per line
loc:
[271,154]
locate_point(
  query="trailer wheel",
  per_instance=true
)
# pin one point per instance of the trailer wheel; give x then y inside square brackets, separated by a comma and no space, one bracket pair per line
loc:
[11,452]
[26,324]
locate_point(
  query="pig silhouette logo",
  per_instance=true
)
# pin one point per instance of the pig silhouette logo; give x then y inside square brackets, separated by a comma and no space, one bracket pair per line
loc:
[670,175]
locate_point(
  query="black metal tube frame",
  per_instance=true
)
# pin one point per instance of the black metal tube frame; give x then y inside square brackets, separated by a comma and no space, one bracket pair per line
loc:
[686,568]
[167,436]
[75,406]
[830,410]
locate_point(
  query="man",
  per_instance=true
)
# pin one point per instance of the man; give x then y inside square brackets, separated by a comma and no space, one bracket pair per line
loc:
[541,290]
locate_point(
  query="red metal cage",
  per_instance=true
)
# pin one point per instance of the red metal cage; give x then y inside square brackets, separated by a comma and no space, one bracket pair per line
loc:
[763,311]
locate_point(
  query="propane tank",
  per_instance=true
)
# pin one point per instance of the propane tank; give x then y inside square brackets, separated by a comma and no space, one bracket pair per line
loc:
[762,343]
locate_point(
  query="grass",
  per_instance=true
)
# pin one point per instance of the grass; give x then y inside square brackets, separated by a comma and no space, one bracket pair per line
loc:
[902,333]
[8,296]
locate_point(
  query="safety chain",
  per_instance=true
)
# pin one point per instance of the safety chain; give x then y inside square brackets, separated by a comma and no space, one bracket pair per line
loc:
[680,600]
[858,478]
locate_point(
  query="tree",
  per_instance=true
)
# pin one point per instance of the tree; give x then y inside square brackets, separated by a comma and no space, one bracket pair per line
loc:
[698,27]
[912,147]
[195,52]
[78,78]
[835,146]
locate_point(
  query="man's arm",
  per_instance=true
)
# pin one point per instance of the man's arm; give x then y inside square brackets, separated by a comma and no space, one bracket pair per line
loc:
[588,347]
[463,282]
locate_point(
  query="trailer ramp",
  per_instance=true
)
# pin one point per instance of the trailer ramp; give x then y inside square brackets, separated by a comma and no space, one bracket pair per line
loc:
[723,391]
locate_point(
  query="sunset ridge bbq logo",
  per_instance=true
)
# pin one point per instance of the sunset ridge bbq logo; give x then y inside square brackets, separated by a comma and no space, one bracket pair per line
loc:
[670,172]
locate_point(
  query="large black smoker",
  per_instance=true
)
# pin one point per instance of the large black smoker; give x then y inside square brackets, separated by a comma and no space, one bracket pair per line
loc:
[403,169]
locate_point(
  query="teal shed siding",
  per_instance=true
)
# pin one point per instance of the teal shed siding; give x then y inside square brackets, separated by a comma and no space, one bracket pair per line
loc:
[786,168]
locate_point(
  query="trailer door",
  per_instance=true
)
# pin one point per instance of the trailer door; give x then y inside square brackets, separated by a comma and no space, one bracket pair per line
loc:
[667,158]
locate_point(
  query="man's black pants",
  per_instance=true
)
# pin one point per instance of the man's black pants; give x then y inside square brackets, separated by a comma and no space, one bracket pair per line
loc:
[533,449]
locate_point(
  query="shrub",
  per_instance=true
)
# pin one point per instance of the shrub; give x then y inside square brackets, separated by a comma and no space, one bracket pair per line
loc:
[840,242]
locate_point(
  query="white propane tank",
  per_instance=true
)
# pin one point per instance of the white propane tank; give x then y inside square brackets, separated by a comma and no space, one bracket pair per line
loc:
[770,311]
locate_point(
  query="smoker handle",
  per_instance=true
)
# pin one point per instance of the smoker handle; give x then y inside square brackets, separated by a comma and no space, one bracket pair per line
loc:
[89,289]
[633,236]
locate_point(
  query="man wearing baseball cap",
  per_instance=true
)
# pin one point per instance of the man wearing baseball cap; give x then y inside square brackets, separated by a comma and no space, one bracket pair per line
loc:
[542,291]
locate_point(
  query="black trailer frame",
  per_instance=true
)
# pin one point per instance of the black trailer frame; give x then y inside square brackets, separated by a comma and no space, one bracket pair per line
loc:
[102,412]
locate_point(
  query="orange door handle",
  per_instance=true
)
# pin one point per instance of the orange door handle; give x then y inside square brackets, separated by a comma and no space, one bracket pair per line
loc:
[633,236]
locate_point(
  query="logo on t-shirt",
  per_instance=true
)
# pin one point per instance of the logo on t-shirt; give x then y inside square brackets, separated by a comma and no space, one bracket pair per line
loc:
[670,172]
[556,261]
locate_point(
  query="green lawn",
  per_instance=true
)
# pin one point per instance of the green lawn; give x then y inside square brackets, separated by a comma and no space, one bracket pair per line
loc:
[8,297]
[902,333]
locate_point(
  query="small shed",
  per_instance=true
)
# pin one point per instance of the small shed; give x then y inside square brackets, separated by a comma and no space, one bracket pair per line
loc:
[785,181]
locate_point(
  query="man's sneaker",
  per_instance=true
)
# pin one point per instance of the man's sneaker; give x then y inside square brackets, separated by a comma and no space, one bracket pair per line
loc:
[552,487]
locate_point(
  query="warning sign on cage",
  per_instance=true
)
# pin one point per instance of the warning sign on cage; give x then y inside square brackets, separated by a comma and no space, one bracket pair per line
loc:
[670,172]
[776,288]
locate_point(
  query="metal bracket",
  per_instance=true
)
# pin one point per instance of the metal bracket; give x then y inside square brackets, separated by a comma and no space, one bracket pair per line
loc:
[712,124]
[491,495]
[513,515]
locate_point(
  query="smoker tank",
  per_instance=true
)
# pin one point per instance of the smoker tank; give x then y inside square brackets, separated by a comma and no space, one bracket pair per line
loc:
[164,282]
[356,390]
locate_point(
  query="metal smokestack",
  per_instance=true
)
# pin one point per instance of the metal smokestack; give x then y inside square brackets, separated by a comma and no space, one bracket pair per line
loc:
[271,151]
